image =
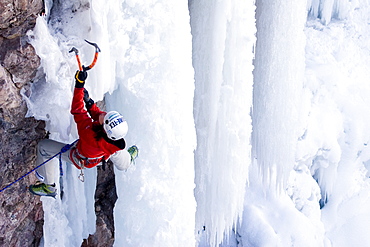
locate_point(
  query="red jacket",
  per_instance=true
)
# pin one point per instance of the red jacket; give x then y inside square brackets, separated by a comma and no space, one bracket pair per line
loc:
[87,145]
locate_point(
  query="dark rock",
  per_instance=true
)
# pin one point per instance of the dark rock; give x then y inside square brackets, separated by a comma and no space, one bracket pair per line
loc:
[18,16]
[22,64]
[20,213]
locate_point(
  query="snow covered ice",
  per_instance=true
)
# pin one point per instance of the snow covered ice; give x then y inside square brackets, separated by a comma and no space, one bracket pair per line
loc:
[252,119]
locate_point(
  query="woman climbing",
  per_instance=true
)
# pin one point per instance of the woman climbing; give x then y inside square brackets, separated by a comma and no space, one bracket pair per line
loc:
[101,137]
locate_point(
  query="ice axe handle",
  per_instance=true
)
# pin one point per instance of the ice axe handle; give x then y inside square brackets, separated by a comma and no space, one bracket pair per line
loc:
[74,49]
[93,62]
[97,50]
[79,62]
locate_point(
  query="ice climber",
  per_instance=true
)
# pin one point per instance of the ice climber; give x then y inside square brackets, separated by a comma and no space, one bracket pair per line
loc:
[101,137]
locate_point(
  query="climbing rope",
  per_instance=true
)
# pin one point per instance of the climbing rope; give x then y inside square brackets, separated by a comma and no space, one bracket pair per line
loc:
[63,150]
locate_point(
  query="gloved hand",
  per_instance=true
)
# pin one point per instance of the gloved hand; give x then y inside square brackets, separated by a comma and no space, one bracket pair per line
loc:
[80,78]
[88,101]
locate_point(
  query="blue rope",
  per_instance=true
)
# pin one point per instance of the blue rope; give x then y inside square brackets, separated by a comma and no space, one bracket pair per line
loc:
[63,150]
[60,165]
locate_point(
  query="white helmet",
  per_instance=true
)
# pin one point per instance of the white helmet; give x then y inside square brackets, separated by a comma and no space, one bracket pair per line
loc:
[115,126]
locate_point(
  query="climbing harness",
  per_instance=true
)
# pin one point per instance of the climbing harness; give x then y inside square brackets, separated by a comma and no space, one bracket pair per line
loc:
[82,67]
[63,150]
[81,162]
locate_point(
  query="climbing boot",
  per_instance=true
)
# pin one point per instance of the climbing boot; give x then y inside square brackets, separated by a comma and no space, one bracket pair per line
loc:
[42,189]
[133,151]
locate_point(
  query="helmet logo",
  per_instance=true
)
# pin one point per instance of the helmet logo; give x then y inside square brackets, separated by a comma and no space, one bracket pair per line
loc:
[115,122]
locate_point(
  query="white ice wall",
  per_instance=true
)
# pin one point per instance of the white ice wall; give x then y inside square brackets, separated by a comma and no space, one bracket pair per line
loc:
[223,39]
[277,89]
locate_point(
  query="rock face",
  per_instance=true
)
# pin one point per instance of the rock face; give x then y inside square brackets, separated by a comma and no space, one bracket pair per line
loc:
[21,215]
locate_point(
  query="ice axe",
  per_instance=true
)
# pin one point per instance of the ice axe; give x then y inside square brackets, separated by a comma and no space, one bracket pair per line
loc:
[82,67]
[74,49]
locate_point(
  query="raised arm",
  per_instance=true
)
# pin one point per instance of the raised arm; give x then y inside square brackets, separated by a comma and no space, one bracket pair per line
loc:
[91,107]
[78,111]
